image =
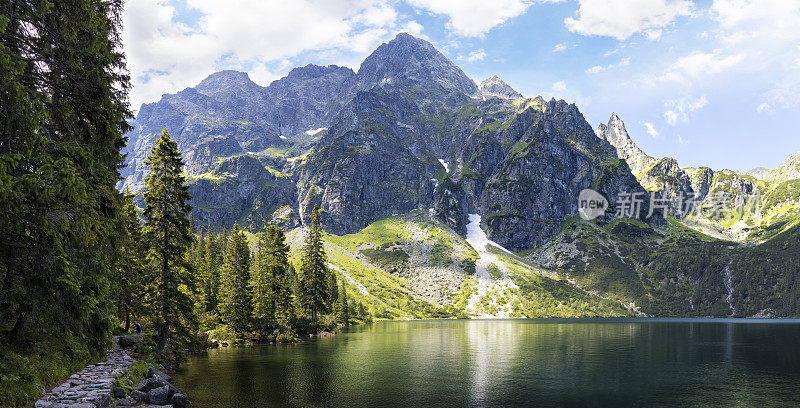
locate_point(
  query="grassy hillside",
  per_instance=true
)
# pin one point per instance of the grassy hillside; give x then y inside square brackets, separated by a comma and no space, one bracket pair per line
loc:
[676,271]
[413,266]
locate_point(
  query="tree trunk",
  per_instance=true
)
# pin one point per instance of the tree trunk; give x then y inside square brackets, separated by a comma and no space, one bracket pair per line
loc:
[127,320]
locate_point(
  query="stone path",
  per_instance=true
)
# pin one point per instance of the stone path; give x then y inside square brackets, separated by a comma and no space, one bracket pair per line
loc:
[90,387]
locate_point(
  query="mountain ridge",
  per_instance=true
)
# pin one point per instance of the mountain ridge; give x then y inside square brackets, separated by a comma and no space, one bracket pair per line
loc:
[411,134]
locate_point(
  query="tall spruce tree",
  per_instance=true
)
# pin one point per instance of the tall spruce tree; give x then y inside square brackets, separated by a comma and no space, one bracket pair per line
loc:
[274,271]
[212,263]
[236,306]
[314,273]
[342,308]
[63,114]
[261,286]
[210,273]
[167,231]
[128,285]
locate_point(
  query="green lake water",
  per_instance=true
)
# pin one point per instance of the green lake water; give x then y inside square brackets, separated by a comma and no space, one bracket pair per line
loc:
[541,363]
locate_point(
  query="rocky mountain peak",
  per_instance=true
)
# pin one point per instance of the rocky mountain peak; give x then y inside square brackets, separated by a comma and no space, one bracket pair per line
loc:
[312,71]
[761,173]
[409,58]
[496,87]
[616,135]
[225,82]
[788,170]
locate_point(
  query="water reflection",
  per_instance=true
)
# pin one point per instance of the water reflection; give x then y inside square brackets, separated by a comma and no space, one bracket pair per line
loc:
[546,363]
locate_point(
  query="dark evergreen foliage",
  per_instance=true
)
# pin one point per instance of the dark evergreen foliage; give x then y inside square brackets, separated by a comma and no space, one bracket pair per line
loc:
[168,233]
[315,284]
[237,306]
[63,114]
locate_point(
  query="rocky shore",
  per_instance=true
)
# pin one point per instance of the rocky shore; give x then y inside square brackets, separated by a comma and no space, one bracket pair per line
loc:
[96,385]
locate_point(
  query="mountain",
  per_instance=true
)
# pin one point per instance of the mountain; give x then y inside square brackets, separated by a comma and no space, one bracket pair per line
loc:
[749,206]
[440,197]
[616,135]
[495,87]
[788,170]
[412,60]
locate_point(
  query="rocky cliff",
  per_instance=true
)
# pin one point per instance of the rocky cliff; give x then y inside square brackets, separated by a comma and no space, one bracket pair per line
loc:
[408,131]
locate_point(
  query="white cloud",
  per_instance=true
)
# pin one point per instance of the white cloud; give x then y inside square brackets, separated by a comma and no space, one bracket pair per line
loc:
[778,99]
[653,35]
[699,64]
[474,18]
[560,47]
[473,56]
[559,86]
[263,75]
[600,68]
[623,18]
[679,109]
[651,130]
[681,141]
[165,55]
[781,14]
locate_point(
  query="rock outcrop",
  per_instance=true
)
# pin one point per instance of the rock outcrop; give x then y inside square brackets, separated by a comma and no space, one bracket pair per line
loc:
[494,87]
[616,135]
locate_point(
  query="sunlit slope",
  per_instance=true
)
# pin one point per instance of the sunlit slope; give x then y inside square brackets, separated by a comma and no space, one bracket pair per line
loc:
[413,266]
[676,271]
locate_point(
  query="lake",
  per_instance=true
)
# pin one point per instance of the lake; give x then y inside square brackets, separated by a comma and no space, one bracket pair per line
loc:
[537,362]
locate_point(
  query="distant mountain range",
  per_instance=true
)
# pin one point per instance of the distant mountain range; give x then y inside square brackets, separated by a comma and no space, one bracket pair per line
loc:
[411,139]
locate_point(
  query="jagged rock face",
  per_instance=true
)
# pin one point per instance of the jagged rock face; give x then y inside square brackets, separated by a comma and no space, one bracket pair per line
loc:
[228,104]
[306,98]
[450,206]
[365,167]
[190,117]
[201,158]
[761,173]
[554,155]
[520,163]
[666,175]
[788,170]
[495,87]
[616,134]
[240,189]
[700,179]
[413,59]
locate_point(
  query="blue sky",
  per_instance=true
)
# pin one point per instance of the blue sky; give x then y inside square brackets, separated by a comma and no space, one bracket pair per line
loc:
[708,82]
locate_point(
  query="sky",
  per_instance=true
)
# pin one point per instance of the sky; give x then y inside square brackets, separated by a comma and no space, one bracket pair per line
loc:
[707,82]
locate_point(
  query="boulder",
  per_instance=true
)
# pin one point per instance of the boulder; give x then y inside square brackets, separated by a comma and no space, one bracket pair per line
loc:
[158,396]
[125,402]
[155,382]
[129,340]
[154,372]
[142,385]
[139,395]
[179,400]
[118,392]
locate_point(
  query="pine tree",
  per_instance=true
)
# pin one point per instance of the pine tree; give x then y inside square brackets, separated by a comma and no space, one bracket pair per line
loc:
[314,273]
[167,231]
[275,309]
[262,282]
[128,284]
[210,266]
[332,290]
[342,307]
[236,306]
[63,114]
